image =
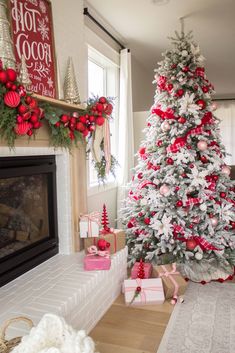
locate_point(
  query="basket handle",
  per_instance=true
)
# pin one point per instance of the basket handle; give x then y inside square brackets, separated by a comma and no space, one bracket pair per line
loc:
[10,321]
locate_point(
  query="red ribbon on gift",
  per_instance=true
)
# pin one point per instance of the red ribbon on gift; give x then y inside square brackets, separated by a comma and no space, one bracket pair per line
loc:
[170,274]
[143,291]
[89,218]
[93,250]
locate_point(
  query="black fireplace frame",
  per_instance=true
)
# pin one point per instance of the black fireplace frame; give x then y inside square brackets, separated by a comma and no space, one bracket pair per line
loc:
[23,260]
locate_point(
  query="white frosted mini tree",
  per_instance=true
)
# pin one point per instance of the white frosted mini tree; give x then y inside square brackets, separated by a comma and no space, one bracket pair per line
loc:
[181,200]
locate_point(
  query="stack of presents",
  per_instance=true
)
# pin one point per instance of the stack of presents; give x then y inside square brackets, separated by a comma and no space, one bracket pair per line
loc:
[149,284]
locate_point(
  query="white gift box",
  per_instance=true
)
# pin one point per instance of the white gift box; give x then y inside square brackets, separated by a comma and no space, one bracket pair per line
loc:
[143,291]
[89,225]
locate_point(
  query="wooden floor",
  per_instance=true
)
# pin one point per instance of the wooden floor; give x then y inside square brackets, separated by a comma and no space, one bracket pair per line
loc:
[126,329]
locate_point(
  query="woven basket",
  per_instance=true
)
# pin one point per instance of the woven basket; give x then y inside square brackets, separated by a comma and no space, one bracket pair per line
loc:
[7,345]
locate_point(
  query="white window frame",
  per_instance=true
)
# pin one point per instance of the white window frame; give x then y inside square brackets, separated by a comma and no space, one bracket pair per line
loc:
[110,68]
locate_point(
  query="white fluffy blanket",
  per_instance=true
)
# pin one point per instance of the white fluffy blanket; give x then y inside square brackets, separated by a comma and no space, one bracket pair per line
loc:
[54,335]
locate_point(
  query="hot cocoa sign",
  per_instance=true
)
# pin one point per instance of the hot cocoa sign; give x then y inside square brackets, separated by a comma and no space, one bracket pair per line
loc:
[33,37]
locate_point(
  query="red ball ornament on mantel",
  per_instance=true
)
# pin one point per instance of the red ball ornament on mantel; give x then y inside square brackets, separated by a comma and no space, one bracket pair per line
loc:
[11,74]
[22,128]
[3,76]
[12,99]
[191,244]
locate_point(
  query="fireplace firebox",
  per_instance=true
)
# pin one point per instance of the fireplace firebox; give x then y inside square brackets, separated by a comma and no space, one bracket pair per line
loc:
[28,214]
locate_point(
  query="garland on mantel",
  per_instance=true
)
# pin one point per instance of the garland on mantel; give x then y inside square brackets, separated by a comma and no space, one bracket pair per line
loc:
[22,114]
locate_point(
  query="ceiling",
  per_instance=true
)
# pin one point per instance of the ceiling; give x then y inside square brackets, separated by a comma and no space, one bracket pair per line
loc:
[144,26]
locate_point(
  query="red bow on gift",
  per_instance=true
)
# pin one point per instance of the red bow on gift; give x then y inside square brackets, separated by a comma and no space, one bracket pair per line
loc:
[93,250]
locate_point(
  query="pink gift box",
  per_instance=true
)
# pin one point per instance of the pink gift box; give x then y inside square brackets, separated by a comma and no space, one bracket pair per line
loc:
[150,291]
[95,262]
[147,270]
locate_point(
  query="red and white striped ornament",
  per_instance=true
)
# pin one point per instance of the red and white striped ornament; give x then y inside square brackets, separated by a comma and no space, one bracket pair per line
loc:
[12,99]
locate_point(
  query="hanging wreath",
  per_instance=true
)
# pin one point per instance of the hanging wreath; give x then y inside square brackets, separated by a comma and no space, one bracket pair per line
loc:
[22,114]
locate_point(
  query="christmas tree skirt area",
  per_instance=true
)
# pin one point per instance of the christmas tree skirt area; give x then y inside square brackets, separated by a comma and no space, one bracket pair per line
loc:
[204,323]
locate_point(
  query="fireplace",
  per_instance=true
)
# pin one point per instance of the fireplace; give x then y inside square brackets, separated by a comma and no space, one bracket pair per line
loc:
[28,213]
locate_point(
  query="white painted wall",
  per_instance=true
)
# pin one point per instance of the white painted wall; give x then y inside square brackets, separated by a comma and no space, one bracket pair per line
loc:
[139,125]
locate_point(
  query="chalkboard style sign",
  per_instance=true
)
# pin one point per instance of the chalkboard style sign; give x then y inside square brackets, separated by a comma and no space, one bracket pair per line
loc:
[32,34]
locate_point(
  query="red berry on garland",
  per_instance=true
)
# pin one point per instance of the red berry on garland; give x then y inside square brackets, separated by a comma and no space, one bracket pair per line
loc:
[64,118]
[22,109]
[191,244]
[71,135]
[80,126]
[201,103]
[72,126]
[99,107]
[11,75]
[57,124]
[147,220]
[179,203]
[26,115]
[85,132]
[103,100]
[3,76]
[19,119]
[22,128]
[13,87]
[182,120]
[82,119]
[30,133]
[169,161]
[33,104]
[12,99]
[223,194]
[92,128]
[100,121]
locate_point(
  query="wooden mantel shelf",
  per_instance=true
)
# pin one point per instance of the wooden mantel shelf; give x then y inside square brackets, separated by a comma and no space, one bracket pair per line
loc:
[59,103]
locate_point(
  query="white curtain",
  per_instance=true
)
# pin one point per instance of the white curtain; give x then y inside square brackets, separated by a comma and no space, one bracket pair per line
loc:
[126,134]
[226,113]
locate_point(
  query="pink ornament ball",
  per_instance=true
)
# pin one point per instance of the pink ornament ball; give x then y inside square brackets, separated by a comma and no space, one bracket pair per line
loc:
[164,190]
[165,126]
[214,221]
[202,145]
[226,170]
[213,106]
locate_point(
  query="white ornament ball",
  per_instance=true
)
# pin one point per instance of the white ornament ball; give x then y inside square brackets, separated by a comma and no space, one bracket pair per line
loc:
[164,190]
[198,256]
[213,106]
[198,122]
[184,53]
[203,207]
[202,145]
[165,126]
[226,170]
[214,221]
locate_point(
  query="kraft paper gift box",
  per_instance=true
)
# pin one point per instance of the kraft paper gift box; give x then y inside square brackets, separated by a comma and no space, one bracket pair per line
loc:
[117,240]
[89,225]
[173,282]
[147,270]
[150,291]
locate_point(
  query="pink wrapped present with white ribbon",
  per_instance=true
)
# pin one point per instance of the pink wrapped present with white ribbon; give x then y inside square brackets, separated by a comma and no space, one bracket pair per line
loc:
[143,291]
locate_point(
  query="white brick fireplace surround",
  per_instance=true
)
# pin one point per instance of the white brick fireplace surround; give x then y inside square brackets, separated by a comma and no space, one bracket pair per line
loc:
[60,285]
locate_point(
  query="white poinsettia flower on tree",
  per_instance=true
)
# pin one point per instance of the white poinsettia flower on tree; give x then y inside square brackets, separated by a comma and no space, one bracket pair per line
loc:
[162,227]
[187,105]
[227,212]
[198,178]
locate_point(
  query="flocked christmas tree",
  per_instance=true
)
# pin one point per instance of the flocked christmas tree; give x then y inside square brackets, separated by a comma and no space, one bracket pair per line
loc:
[181,200]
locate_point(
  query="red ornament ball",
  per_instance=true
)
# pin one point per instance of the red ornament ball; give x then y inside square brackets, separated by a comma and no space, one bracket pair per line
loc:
[169,161]
[147,220]
[3,76]
[11,75]
[12,99]
[205,89]
[102,100]
[100,121]
[101,244]
[142,150]
[30,132]
[64,118]
[191,244]
[140,175]
[223,194]
[180,92]
[179,203]
[22,109]
[201,103]
[203,159]
[130,225]
[80,127]
[159,143]
[182,120]
[22,128]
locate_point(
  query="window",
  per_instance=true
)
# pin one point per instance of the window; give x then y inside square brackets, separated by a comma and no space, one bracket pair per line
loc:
[103,80]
